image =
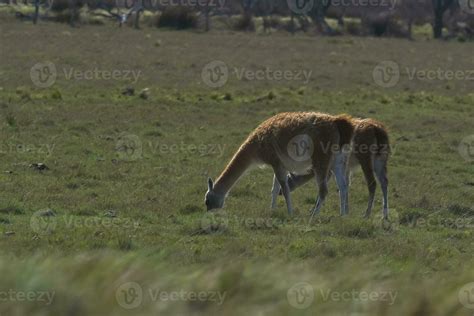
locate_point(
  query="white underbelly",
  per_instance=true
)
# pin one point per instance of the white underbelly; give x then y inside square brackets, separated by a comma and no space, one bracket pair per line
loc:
[298,167]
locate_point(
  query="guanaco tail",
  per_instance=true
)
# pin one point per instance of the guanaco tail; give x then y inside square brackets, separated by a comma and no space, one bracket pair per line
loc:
[297,142]
[370,150]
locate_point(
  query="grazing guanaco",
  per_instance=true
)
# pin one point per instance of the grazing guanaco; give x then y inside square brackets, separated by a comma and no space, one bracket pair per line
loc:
[371,150]
[298,142]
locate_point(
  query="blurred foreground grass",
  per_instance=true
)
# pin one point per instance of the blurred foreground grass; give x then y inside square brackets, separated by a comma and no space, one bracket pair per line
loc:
[142,284]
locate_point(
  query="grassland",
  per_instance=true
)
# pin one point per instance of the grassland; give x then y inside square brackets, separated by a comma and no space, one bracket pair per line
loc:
[121,199]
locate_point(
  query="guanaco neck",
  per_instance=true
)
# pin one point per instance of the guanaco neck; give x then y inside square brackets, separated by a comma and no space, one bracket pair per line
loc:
[241,161]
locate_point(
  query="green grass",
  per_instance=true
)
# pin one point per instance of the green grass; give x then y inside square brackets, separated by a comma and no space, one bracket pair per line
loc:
[126,178]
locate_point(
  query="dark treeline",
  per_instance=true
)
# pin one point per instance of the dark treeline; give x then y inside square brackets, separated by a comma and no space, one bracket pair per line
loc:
[394,18]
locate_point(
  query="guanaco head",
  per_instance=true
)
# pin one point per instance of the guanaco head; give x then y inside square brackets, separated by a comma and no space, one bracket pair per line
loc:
[213,200]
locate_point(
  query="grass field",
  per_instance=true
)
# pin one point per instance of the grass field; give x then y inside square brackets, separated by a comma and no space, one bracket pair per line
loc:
[114,222]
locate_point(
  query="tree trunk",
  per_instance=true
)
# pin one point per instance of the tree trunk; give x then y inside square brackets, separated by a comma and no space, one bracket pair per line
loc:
[35,18]
[138,8]
[410,28]
[439,7]
[438,25]
[206,16]
[73,12]
[292,23]
[247,6]
[136,24]
[318,16]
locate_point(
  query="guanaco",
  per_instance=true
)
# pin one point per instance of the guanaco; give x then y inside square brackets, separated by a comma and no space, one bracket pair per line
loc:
[297,142]
[370,149]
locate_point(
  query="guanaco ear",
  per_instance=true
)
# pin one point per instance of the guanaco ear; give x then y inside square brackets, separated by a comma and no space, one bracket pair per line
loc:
[210,184]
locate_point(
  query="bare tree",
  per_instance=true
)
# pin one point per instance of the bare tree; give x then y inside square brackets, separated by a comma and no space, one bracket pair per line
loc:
[73,11]
[247,6]
[439,7]
[318,14]
[138,8]
[35,17]
[207,23]
[266,8]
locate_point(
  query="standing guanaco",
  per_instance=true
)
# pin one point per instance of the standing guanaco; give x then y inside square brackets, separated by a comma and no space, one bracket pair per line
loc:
[371,150]
[297,142]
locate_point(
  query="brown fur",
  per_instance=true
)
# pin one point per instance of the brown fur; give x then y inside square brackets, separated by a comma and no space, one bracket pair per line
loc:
[370,132]
[346,126]
[370,142]
[268,142]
